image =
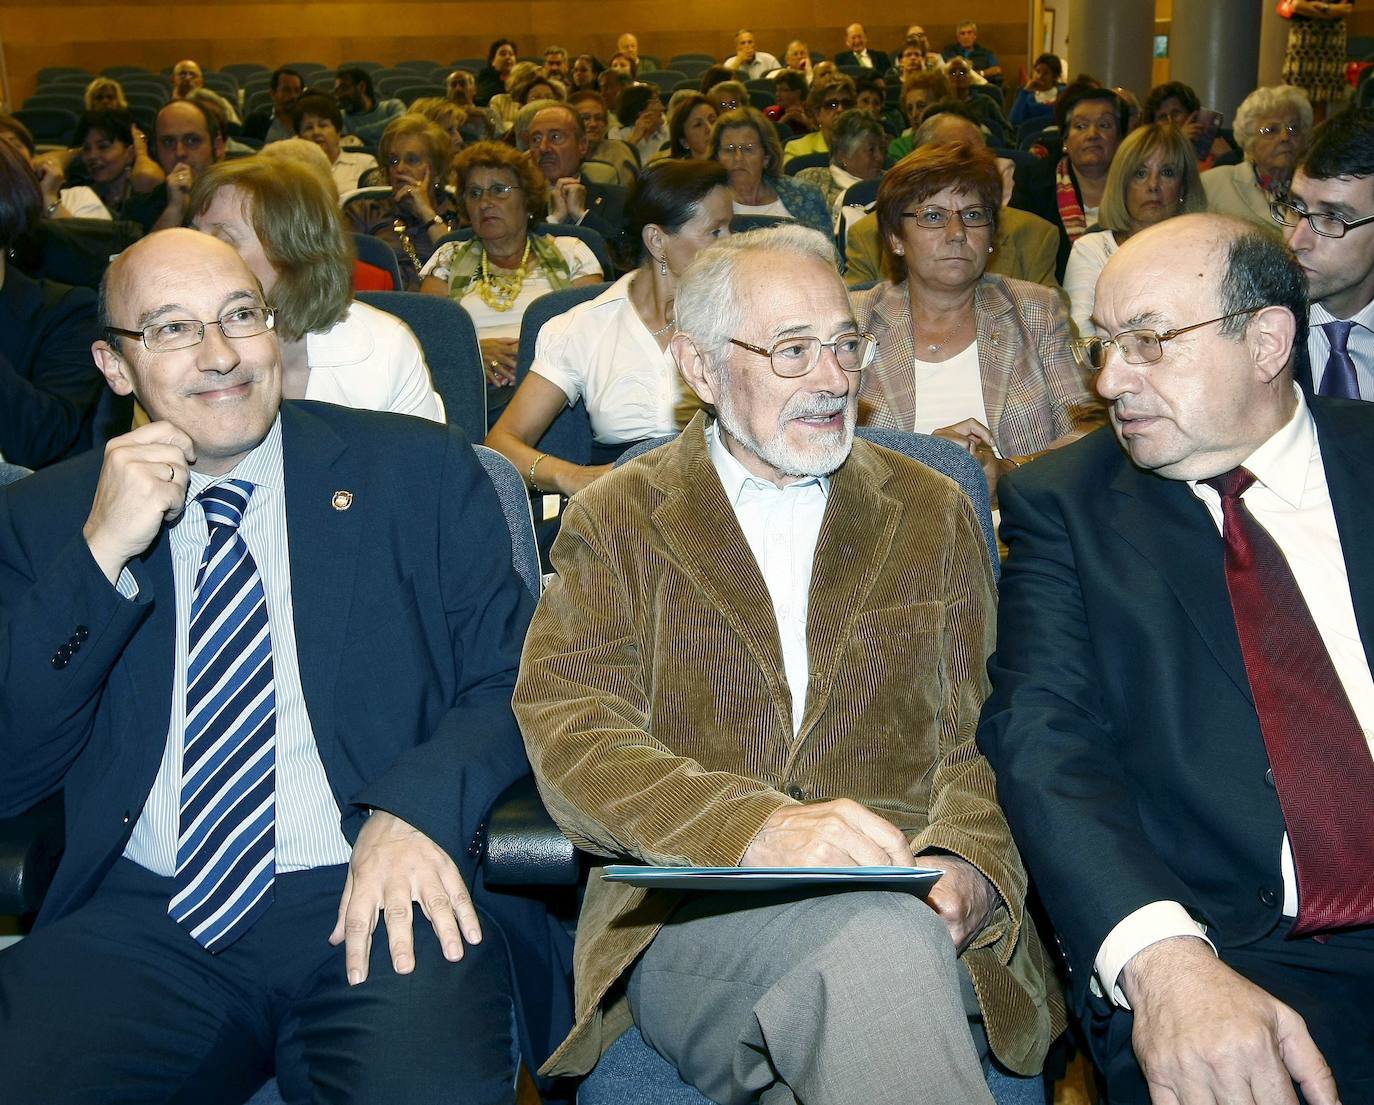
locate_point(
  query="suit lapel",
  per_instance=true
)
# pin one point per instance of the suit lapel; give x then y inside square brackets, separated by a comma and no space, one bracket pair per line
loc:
[152,664]
[1346,459]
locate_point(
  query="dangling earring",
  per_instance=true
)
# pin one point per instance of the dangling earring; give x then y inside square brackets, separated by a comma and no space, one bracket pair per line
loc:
[663,265]
[991,248]
[899,252]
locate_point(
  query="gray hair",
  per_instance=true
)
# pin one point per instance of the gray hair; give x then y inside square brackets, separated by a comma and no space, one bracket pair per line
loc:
[524,119]
[1266,101]
[924,135]
[708,308]
[851,129]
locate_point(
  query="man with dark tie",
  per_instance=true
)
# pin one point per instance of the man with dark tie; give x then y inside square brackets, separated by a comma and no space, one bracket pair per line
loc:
[1182,702]
[267,651]
[1328,222]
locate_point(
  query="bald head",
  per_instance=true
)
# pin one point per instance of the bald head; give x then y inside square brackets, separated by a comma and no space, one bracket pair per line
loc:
[177,251]
[945,127]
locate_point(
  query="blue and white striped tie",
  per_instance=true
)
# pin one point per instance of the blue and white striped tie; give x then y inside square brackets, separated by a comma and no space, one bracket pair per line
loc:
[226,841]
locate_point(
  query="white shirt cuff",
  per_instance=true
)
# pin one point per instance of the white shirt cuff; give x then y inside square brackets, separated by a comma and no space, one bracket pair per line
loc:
[1147,925]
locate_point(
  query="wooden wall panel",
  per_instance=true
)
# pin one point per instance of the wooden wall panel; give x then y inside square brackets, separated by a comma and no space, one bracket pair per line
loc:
[216,32]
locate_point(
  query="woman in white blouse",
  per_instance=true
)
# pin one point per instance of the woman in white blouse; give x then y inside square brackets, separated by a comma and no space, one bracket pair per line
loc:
[1153,177]
[612,352]
[283,220]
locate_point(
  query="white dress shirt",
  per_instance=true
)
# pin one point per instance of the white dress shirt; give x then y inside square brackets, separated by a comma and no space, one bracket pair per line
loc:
[1291,501]
[781,526]
[761,66]
[1360,346]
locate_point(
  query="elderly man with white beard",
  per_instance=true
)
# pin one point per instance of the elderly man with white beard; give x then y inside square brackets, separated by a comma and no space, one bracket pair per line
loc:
[765,646]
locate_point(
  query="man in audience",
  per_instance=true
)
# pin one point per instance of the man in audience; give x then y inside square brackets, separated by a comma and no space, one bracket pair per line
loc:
[1331,196]
[628,45]
[274,124]
[983,60]
[266,725]
[187,141]
[826,102]
[1181,693]
[748,61]
[836,727]
[460,87]
[556,63]
[856,38]
[364,115]
[186,75]
[798,58]
[1023,245]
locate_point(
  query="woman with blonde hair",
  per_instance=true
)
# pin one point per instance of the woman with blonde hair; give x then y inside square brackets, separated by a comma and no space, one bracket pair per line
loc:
[105,94]
[281,219]
[1153,177]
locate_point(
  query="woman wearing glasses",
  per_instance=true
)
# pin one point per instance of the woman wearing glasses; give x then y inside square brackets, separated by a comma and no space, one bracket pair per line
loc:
[503,267]
[1153,177]
[747,145]
[420,212]
[1272,126]
[280,216]
[980,359]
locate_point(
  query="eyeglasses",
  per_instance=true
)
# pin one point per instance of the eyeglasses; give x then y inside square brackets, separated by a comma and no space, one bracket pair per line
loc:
[1321,222]
[1271,129]
[551,138]
[1138,346]
[936,218]
[838,105]
[726,105]
[794,357]
[410,161]
[165,337]
[744,149]
[499,190]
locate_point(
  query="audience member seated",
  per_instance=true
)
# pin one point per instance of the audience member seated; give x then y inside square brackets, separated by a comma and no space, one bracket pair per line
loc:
[870,95]
[460,87]
[798,59]
[714,75]
[1177,103]
[585,70]
[689,127]
[1272,126]
[1153,177]
[628,45]
[188,140]
[912,60]
[497,273]
[612,352]
[357,778]
[748,62]
[60,200]
[642,125]
[1023,245]
[856,154]
[186,75]
[1182,691]
[979,359]
[537,86]
[824,103]
[420,212]
[1068,193]
[317,118]
[747,145]
[858,53]
[48,386]
[1037,97]
[591,110]
[217,107]
[275,123]
[364,115]
[556,63]
[789,110]
[728,96]
[611,83]
[821,736]
[959,72]
[1334,181]
[625,65]
[278,216]
[105,94]
[916,36]
[983,60]
[492,79]
[919,91]
[111,160]
[448,117]
[504,106]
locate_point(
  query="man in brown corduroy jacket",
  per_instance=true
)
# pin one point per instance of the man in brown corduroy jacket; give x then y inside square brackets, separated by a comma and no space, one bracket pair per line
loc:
[765,646]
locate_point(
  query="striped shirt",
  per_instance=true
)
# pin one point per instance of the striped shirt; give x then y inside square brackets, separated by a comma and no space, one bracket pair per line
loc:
[308,833]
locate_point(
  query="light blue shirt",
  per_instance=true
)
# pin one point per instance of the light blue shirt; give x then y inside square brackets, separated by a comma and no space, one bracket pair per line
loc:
[1360,346]
[308,833]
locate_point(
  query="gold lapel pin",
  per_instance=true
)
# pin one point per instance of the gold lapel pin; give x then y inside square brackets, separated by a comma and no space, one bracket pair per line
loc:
[343,500]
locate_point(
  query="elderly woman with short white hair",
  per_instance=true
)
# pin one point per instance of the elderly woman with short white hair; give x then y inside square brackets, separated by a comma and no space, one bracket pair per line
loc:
[1273,125]
[858,147]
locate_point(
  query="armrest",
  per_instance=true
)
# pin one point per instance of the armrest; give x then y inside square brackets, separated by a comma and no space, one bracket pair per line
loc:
[524,847]
[30,846]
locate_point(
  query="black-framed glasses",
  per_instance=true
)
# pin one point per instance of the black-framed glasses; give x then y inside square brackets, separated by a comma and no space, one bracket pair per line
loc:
[792,357]
[931,217]
[165,337]
[1139,346]
[1321,222]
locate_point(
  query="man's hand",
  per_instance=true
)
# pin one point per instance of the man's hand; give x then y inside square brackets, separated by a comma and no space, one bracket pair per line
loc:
[142,484]
[394,865]
[179,182]
[840,833]
[569,200]
[1204,1035]
[963,899]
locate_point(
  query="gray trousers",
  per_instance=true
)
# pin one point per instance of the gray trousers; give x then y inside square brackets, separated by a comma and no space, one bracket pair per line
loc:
[852,997]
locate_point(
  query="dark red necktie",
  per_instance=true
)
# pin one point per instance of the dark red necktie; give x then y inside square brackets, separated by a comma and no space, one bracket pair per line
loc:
[1322,766]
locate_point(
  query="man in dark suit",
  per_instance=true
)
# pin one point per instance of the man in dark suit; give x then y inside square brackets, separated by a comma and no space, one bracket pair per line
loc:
[1182,690]
[856,38]
[265,728]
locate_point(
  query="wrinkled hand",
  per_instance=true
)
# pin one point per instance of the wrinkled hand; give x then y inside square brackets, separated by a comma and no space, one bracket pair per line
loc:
[977,439]
[569,199]
[413,196]
[840,833]
[393,866]
[1206,1036]
[963,899]
[498,360]
[51,178]
[142,484]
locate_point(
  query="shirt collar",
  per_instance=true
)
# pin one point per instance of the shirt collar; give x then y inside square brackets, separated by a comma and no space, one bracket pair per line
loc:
[262,467]
[736,479]
[1281,463]
[1364,317]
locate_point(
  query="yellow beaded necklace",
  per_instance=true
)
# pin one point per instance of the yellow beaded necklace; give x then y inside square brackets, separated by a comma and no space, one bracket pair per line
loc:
[500,292]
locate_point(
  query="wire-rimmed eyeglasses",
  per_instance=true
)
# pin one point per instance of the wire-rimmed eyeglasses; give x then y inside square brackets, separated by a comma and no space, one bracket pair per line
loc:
[164,337]
[1139,346]
[792,357]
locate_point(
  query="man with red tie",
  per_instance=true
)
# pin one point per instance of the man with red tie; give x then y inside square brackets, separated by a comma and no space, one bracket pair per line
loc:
[1182,696]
